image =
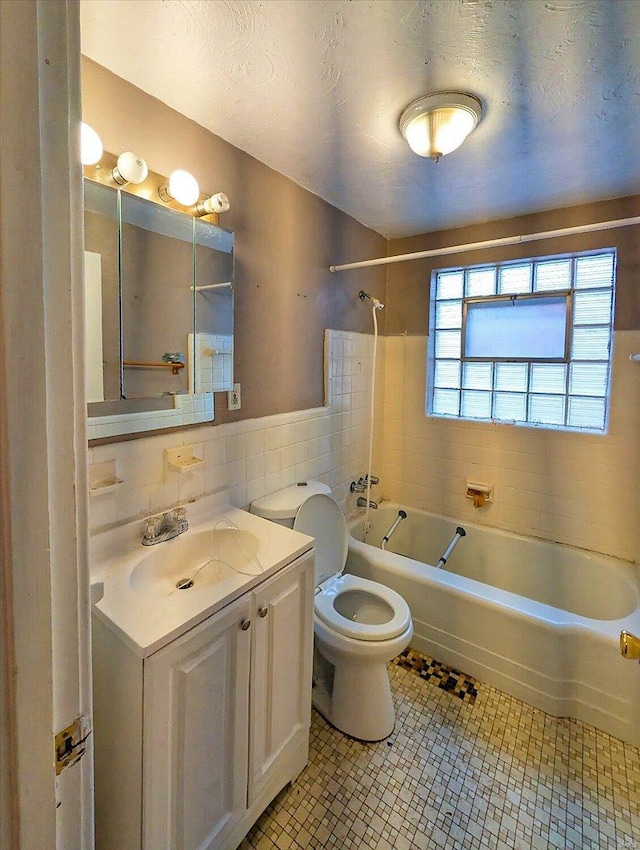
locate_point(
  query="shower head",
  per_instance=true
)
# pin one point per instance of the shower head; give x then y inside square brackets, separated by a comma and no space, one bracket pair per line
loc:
[377,304]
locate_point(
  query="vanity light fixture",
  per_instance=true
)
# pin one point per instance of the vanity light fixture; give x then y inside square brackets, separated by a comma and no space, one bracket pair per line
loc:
[437,124]
[217,203]
[130,168]
[182,187]
[90,145]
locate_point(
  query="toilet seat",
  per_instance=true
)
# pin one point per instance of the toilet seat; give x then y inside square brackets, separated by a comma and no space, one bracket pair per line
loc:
[381,598]
[388,614]
[321,517]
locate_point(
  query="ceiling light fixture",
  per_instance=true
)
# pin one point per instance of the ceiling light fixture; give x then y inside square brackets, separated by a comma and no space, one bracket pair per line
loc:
[439,123]
[182,187]
[130,168]
[217,203]
[90,145]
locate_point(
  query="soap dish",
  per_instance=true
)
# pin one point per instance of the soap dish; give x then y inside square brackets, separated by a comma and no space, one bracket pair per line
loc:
[182,459]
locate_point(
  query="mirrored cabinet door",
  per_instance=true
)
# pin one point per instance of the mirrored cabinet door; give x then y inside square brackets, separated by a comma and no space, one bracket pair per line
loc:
[212,345]
[157,298]
[102,293]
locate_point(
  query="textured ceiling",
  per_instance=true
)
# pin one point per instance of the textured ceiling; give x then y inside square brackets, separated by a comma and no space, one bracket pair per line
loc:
[314,89]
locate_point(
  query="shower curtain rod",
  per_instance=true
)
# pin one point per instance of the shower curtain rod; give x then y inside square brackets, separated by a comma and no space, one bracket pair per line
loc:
[489,243]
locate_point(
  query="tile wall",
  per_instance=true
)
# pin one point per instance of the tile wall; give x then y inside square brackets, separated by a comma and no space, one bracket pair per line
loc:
[212,369]
[255,456]
[580,489]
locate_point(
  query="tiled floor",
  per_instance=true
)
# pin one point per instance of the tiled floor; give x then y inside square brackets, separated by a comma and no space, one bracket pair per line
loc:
[496,773]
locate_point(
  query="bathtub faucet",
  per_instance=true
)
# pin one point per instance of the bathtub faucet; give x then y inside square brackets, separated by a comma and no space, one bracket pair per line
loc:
[362,503]
[363,483]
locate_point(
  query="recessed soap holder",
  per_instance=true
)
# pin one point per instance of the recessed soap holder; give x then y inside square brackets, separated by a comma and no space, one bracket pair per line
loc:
[103,478]
[480,492]
[182,459]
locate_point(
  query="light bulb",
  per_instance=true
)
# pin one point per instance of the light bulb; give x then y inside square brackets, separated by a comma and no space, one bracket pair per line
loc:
[184,188]
[130,168]
[90,145]
[217,203]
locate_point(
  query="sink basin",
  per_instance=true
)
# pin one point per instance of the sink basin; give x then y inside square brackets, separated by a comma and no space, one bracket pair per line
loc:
[194,562]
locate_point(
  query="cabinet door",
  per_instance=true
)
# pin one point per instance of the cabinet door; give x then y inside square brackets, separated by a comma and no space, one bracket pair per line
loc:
[281,669]
[195,734]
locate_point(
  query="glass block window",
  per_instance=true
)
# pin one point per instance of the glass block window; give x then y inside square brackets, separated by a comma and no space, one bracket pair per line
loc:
[527,342]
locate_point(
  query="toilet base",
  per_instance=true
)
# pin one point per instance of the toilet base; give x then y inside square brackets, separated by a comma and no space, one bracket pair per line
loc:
[360,704]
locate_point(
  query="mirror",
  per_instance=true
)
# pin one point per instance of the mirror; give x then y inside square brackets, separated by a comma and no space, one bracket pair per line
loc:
[102,292]
[159,326]
[157,300]
[212,346]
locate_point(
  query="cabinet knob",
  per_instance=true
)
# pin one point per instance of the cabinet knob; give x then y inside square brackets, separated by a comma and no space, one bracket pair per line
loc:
[262,612]
[245,624]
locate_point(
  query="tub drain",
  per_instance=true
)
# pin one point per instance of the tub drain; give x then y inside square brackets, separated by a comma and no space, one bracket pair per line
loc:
[184,584]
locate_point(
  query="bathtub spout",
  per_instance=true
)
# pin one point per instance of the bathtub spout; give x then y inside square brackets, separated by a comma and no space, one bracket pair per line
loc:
[401,515]
[460,532]
[362,503]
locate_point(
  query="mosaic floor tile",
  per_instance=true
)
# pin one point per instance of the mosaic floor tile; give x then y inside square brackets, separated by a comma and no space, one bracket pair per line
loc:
[488,774]
[444,677]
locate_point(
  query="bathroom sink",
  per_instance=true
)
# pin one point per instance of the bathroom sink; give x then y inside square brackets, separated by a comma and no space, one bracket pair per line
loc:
[196,561]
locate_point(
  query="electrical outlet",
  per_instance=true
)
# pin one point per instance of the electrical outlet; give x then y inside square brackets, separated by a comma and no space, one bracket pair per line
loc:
[234,401]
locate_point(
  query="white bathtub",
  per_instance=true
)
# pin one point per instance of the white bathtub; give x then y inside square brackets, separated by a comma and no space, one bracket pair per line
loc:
[538,620]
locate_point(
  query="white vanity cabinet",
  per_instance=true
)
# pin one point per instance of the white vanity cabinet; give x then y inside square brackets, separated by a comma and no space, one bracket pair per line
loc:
[210,727]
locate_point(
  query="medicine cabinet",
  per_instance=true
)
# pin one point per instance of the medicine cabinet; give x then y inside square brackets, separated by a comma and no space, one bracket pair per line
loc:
[158,313]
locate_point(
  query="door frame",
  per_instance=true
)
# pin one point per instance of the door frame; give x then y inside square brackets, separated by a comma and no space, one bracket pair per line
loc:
[44,592]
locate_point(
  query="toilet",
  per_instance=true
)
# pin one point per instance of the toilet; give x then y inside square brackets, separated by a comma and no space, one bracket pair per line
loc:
[359,625]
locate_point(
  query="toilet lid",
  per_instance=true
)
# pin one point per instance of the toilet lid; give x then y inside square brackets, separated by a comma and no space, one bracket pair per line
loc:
[320,516]
[325,608]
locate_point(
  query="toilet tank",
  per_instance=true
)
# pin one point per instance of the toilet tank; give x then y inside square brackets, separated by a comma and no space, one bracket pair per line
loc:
[282,506]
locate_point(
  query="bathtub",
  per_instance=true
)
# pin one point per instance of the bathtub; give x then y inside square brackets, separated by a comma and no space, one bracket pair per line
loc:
[541,621]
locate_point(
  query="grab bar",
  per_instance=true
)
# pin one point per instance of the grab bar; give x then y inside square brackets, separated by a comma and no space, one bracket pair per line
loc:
[460,532]
[401,515]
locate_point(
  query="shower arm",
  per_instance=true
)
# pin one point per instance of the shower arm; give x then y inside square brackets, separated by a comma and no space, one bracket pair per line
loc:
[377,304]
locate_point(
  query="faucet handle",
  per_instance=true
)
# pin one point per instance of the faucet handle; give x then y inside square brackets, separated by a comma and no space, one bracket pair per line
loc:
[153,527]
[180,518]
[364,480]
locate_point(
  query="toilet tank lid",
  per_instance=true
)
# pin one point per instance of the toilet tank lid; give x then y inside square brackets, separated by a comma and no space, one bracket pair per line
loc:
[284,504]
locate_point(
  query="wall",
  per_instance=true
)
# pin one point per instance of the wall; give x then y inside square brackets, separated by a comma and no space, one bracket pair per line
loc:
[286,238]
[567,487]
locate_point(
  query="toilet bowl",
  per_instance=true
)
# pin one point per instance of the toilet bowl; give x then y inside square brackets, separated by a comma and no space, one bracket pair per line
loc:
[359,625]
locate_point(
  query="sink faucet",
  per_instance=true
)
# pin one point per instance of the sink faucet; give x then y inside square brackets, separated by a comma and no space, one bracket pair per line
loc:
[165,526]
[362,503]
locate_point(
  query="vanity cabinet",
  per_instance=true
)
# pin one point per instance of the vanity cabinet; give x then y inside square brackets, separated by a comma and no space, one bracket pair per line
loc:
[217,721]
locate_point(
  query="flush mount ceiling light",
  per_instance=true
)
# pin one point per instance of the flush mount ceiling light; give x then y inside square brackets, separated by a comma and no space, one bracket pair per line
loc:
[183,187]
[439,123]
[90,145]
[130,168]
